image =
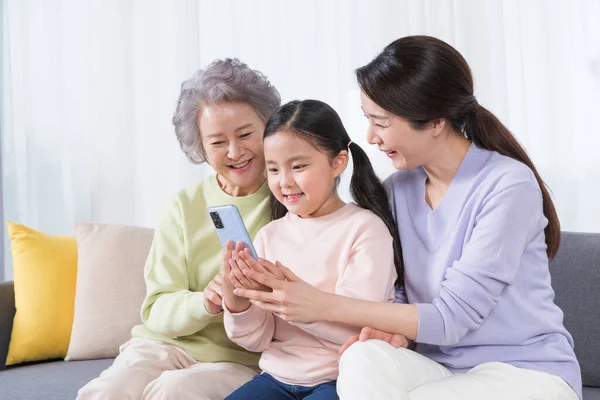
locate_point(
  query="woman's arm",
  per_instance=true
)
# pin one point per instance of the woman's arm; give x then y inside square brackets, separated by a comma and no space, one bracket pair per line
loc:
[170,308]
[370,275]
[295,300]
[469,292]
[388,317]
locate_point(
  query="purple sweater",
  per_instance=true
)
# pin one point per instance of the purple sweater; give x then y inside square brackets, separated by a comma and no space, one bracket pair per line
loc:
[476,267]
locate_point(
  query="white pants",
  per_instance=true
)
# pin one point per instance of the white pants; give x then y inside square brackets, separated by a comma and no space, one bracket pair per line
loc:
[376,370]
[146,369]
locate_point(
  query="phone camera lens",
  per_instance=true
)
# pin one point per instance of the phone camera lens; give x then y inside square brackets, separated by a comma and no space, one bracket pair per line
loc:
[216,220]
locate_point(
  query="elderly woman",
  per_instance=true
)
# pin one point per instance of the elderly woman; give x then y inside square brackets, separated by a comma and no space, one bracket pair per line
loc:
[182,351]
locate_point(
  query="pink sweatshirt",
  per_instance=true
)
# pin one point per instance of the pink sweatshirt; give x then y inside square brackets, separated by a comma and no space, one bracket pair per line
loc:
[348,252]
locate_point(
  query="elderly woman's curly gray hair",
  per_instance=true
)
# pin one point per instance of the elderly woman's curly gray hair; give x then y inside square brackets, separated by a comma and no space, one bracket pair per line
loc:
[223,80]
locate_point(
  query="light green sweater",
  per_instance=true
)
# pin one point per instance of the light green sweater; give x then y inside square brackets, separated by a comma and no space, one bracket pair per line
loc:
[185,256]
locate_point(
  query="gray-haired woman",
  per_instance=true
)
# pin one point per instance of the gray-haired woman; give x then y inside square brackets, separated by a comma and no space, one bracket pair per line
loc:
[182,351]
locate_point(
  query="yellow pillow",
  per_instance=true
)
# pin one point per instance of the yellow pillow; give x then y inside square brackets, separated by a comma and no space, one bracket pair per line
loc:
[45,271]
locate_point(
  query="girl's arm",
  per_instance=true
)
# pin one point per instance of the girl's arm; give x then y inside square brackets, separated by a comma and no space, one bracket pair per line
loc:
[252,329]
[247,325]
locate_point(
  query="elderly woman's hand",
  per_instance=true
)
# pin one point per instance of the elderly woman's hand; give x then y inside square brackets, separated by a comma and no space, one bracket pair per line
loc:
[213,295]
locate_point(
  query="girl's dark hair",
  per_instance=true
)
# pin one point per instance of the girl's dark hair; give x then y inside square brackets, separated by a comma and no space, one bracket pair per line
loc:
[421,79]
[319,124]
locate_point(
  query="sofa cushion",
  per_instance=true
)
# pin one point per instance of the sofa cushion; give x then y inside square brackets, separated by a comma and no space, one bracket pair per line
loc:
[49,380]
[45,269]
[110,288]
[575,275]
[591,393]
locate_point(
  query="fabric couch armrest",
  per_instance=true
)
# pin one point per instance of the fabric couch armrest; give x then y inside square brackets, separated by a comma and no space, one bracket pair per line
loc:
[7,314]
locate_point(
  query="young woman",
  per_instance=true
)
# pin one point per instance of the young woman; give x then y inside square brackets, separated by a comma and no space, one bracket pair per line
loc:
[306,150]
[477,228]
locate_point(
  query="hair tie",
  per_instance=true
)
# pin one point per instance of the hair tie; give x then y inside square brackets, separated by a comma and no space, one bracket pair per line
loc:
[349,143]
[473,104]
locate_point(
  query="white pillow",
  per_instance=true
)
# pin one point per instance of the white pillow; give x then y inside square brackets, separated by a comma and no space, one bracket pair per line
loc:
[110,288]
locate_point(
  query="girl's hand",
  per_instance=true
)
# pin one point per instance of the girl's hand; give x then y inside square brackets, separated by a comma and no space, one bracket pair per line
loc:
[395,339]
[213,295]
[234,303]
[242,261]
[291,299]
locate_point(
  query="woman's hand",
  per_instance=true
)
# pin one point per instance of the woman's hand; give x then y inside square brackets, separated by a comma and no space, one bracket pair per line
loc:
[213,295]
[291,299]
[395,339]
[235,304]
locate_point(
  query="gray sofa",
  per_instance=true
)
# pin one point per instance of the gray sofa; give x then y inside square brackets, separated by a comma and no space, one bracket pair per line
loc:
[575,276]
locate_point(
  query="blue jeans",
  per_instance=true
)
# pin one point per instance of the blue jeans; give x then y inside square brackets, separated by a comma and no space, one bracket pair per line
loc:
[264,386]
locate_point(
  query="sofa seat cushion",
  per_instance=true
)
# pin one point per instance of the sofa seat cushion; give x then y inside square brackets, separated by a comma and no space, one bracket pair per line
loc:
[591,393]
[49,380]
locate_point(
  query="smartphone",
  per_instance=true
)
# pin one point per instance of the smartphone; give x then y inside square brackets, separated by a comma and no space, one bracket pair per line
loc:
[230,226]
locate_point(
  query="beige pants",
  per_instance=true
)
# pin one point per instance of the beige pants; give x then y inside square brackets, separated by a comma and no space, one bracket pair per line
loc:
[376,370]
[146,369]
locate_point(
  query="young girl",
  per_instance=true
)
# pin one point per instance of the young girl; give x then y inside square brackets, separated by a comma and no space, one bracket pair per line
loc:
[346,249]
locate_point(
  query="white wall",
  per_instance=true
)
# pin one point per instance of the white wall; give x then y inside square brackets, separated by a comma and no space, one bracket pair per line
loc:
[91,87]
